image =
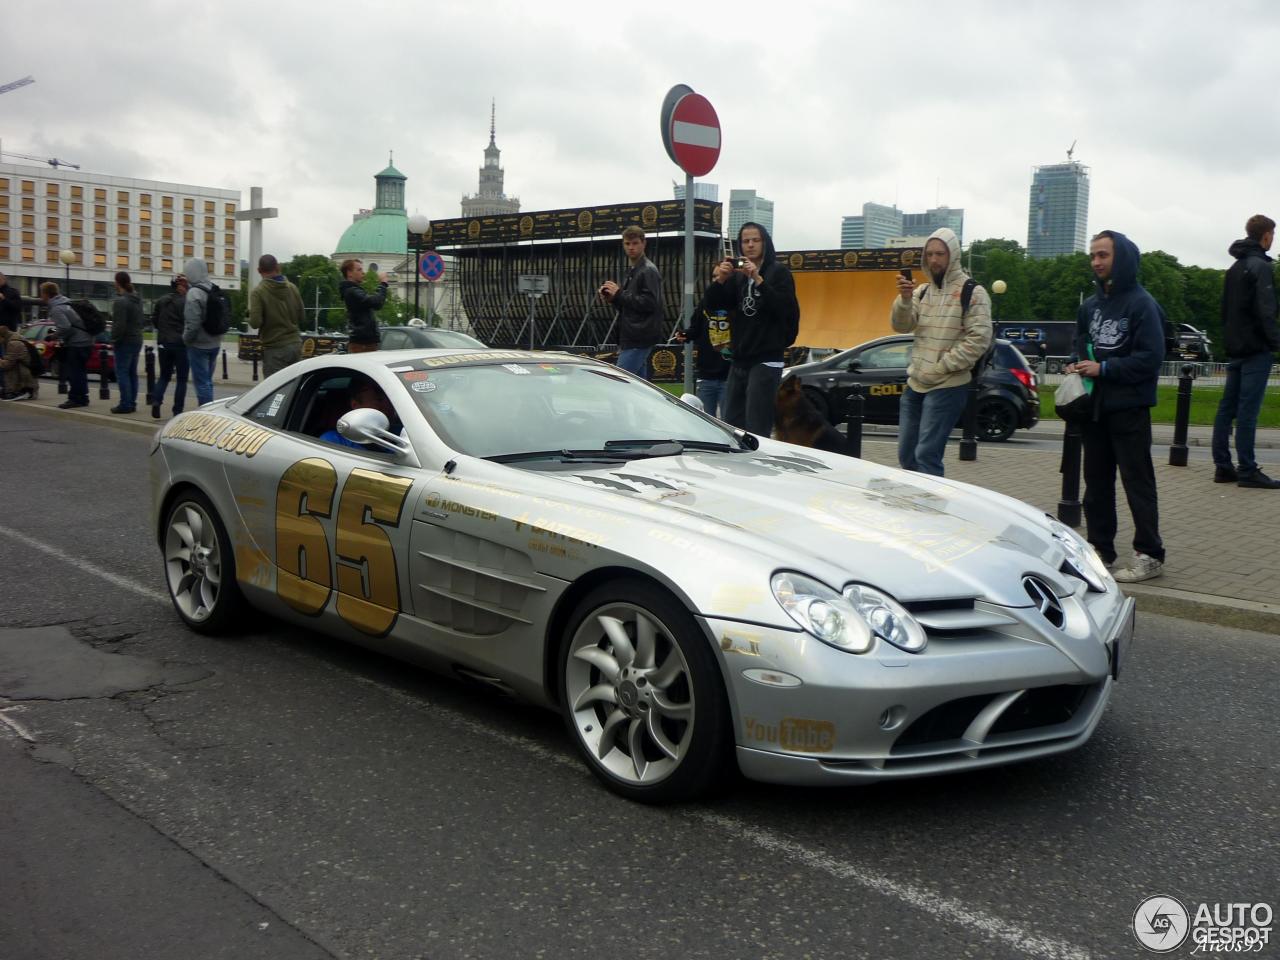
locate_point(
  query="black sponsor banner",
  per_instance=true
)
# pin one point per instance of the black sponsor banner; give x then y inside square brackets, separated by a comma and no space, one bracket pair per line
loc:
[572,223]
[879,259]
[312,345]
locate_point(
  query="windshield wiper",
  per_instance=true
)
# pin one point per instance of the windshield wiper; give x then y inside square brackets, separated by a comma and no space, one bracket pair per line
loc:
[668,448]
[564,455]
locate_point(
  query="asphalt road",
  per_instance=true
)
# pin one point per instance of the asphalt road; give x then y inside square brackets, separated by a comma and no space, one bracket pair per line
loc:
[280,795]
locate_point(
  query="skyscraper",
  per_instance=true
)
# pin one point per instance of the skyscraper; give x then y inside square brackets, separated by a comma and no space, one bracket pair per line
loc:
[923,224]
[490,199]
[1058,214]
[745,206]
[871,230]
[701,191]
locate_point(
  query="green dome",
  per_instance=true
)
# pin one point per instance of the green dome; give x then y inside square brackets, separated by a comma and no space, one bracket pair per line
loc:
[377,233]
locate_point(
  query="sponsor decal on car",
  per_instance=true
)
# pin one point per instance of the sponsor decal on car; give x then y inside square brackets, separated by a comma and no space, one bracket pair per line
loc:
[222,433]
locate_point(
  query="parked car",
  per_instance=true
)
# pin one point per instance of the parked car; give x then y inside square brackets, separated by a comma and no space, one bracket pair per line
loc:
[1008,391]
[45,336]
[404,338]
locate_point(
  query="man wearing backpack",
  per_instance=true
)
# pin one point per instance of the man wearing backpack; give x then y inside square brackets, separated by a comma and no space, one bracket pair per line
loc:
[20,379]
[76,344]
[202,346]
[951,319]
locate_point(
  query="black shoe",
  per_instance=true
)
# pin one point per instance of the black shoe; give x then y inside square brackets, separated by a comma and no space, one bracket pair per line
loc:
[120,409]
[1225,475]
[1259,481]
[155,411]
[72,404]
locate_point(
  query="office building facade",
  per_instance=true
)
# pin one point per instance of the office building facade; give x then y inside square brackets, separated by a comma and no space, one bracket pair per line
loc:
[1058,212]
[701,191]
[745,206]
[923,224]
[872,229]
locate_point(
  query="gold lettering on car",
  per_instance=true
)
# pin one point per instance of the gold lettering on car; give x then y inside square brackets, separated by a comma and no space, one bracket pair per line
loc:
[223,433]
[302,550]
[885,389]
[793,734]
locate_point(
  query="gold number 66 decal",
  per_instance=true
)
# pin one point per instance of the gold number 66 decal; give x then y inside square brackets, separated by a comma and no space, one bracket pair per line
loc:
[368,585]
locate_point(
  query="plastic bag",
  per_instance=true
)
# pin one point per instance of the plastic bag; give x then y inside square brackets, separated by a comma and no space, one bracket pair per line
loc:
[1073,400]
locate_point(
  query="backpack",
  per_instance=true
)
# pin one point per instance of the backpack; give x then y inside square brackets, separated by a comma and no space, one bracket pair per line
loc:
[91,318]
[966,298]
[35,363]
[217,312]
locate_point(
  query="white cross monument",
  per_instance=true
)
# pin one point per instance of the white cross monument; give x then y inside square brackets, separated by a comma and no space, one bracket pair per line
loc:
[255,215]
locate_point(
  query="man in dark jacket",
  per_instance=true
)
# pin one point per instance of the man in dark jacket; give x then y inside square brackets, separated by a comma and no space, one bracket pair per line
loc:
[362,307]
[168,321]
[1251,337]
[758,295]
[641,317]
[1120,338]
[10,305]
[76,344]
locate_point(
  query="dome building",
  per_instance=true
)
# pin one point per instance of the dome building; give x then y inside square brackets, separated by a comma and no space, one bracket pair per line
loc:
[379,235]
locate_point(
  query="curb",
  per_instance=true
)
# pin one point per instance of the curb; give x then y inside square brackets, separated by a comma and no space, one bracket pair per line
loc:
[1204,608]
[113,421]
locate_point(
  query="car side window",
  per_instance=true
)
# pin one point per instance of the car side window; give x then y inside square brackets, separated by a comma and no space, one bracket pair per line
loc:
[272,410]
[395,340]
[887,357]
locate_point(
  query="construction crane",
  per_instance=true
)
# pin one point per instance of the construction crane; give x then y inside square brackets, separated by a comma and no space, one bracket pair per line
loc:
[1071,149]
[51,161]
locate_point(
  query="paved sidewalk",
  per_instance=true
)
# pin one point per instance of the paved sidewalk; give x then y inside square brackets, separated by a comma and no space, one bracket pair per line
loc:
[1223,541]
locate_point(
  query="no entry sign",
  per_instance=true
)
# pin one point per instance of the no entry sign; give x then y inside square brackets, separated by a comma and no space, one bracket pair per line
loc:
[695,134]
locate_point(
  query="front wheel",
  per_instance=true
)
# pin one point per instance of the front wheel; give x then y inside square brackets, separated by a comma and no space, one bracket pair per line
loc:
[642,696]
[200,566]
[997,419]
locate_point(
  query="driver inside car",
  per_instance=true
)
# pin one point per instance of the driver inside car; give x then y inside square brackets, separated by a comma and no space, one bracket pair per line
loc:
[364,393]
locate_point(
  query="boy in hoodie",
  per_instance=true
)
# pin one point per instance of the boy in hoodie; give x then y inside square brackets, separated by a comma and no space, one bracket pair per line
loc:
[1120,335]
[76,344]
[126,341]
[202,346]
[759,300]
[949,342]
[1252,338]
[275,308]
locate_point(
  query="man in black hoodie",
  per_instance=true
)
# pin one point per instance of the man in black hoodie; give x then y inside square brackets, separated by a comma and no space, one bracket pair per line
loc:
[1252,338]
[1120,338]
[759,298]
[362,307]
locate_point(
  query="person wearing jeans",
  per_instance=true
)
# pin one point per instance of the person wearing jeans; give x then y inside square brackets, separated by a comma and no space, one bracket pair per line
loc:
[1251,337]
[925,421]
[171,351]
[202,346]
[202,361]
[126,341]
[638,299]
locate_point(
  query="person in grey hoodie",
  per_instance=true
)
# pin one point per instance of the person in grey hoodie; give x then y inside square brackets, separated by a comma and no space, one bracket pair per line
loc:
[126,341]
[76,344]
[202,347]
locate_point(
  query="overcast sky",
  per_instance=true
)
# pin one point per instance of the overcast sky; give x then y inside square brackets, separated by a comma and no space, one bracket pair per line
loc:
[822,105]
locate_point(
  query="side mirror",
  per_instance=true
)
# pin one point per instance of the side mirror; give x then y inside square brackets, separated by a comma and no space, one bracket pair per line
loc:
[692,400]
[854,364]
[367,425]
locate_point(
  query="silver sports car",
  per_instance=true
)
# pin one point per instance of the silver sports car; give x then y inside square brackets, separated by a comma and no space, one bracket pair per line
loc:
[685,594]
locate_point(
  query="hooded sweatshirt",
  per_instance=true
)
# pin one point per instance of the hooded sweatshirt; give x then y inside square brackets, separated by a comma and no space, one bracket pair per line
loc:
[1249,303]
[68,323]
[763,319]
[193,332]
[1125,327]
[127,319]
[275,308]
[949,341]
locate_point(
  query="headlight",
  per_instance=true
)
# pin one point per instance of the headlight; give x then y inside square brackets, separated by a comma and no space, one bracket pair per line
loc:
[850,621]
[1081,555]
[822,612]
[887,618]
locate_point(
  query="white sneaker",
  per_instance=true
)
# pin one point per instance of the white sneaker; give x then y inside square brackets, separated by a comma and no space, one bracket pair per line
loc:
[21,395]
[1141,567]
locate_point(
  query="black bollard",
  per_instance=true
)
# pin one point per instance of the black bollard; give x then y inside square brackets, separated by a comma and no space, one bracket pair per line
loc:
[255,369]
[853,413]
[150,364]
[57,354]
[104,387]
[969,438]
[224,364]
[1178,449]
[1069,505]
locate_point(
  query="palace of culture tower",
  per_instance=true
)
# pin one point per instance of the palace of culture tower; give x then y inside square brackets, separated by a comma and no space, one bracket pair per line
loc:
[490,199]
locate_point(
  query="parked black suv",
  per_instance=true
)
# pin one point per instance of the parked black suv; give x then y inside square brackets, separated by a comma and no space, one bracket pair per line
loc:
[1008,398]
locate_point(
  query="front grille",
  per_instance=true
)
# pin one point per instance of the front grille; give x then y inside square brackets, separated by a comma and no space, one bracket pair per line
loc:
[1036,708]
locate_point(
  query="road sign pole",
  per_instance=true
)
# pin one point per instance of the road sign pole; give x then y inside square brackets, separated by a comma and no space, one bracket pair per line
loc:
[686,308]
[532,320]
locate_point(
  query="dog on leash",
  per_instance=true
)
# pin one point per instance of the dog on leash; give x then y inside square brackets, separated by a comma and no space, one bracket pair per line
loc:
[797,421]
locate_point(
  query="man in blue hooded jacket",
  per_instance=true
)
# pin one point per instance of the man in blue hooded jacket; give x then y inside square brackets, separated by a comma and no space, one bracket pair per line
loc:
[1120,343]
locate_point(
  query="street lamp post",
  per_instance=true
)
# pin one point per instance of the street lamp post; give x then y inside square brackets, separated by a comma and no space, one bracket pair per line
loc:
[418,225]
[68,257]
[998,288]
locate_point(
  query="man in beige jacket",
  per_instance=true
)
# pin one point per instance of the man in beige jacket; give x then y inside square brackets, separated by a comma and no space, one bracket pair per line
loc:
[950,340]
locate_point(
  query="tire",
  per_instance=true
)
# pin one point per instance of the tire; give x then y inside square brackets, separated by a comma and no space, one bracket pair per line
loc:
[819,401]
[997,419]
[200,567]
[631,654]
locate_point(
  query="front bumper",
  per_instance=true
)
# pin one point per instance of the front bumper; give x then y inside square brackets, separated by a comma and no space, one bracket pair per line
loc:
[809,714]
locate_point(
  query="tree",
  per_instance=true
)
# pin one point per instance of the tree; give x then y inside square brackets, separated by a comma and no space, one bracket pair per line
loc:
[316,278]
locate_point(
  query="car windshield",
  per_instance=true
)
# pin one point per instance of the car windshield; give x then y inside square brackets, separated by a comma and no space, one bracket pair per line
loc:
[529,408]
[454,340]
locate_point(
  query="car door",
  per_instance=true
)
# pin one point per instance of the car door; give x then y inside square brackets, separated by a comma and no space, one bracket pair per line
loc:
[329,523]
[882,369]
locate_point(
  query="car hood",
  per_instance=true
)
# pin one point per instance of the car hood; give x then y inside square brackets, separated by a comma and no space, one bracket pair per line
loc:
[846,519]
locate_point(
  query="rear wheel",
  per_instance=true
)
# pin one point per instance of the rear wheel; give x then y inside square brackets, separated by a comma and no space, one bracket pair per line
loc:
[997,419]
[200,566]
[642,696]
